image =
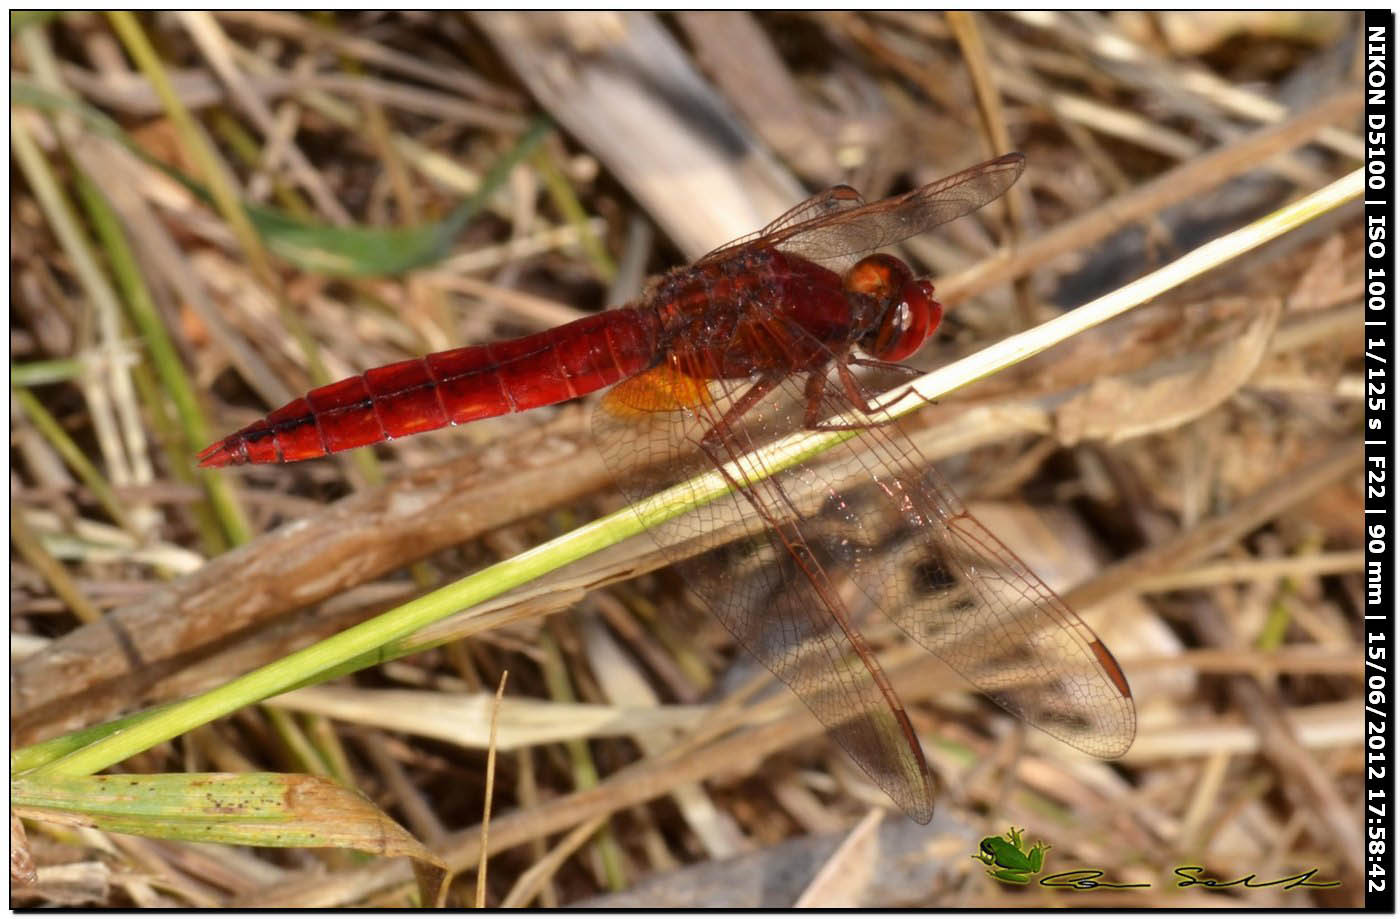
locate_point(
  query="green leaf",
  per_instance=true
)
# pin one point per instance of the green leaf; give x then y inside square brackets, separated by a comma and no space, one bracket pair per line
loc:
[253,809]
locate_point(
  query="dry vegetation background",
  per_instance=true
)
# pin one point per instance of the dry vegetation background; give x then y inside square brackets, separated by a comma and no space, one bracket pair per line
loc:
[1189,474]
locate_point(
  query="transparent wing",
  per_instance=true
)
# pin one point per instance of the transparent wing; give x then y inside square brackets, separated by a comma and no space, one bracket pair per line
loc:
[748,558]
[834,228]
[956,589]
[834,200]
[788,564]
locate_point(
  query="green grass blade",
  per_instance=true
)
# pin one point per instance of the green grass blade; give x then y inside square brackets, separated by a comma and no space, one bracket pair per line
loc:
[246,809]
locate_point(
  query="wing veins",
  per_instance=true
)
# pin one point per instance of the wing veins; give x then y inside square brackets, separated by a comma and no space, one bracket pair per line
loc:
[866,227]
[1104,701]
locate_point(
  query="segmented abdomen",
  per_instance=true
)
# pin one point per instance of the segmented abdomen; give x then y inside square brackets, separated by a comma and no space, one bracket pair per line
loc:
[450,387]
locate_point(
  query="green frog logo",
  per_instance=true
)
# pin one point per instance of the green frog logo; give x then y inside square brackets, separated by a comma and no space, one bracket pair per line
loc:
[1008,860]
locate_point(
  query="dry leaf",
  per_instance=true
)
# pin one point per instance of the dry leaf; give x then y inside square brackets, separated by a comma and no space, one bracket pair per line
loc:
[1120,408]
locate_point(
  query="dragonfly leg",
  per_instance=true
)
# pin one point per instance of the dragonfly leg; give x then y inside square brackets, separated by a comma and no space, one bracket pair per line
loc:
[722,432]
[887,366]
[816,387]
[848,378]
[722,446]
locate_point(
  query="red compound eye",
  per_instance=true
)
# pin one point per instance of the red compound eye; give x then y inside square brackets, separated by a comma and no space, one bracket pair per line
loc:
[911,314]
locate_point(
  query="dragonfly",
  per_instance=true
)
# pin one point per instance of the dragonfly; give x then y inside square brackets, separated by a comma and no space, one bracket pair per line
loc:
[773,334]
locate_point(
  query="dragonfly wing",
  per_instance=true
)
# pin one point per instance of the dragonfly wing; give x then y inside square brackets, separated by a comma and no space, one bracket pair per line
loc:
[781,588]
[823,204]
[883,530]
[837,233]
[954,588]
[839,238]
[836,226]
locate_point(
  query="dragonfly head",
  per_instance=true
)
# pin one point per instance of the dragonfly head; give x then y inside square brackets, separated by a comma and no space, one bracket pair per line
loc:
[908,313]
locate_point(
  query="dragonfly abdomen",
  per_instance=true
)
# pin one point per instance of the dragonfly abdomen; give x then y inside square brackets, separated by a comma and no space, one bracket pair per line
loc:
[450,387]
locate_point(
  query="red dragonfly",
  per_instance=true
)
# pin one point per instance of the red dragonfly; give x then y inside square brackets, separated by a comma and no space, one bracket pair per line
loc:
[759,339]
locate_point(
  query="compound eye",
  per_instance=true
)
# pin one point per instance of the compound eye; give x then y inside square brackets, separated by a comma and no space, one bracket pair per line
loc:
[879,276]
[908,323]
